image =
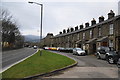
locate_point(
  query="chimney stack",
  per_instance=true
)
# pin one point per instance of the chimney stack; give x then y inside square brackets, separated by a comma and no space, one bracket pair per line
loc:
[87,24]
[101,19]
[93,22]
[64,31]
[111,14]
[60,32]
[68,30]
[76,28]
[81,26]
[50,34]
[72,29]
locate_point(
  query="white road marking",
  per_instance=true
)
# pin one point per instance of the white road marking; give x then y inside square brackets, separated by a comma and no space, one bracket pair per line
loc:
[4,69]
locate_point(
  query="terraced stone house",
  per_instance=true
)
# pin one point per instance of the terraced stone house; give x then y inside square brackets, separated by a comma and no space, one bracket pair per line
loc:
[104,33]
[46,41]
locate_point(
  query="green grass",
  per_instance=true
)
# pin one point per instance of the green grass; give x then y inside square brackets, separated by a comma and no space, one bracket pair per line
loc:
[37,64]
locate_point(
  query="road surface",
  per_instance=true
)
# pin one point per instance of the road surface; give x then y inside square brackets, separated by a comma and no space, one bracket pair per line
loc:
[88,68]
[11,57]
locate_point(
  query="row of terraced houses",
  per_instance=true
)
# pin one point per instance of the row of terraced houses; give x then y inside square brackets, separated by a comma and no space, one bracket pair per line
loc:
[88,37]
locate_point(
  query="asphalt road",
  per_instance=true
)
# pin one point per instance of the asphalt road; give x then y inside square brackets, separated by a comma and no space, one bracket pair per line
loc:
[87,61]
[88,68]
[11,57]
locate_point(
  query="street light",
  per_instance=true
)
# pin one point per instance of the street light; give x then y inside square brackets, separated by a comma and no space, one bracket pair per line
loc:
[41,21]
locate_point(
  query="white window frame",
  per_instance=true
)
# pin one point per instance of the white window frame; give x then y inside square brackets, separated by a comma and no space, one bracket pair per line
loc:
[73,37]
[68,38]
[78,36]
[111,29]
[110,43]
[83,36]
[91,33]
[99,31]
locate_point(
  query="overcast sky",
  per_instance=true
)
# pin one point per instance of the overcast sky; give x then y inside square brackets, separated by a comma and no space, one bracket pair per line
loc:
[57,14]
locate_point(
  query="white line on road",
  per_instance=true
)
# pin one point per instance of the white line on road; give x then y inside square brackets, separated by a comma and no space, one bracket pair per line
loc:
[4,69]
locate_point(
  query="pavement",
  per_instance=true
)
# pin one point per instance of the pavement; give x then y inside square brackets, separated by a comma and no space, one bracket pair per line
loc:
[88,68]
[88,72]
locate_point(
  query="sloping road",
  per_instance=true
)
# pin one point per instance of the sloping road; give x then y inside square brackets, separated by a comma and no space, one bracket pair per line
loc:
[13,56]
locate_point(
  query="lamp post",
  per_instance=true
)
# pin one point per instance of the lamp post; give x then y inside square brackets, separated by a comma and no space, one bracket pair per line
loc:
[41,21]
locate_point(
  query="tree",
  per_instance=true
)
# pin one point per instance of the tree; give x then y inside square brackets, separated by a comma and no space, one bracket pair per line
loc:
[10,31]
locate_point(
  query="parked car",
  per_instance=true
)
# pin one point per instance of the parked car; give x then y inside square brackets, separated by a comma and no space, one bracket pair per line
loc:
[107,53]
[29,46]
[53,48]
[34,47]
[46,48]
[118,63]
[69,50]
[61,49]
[78,51]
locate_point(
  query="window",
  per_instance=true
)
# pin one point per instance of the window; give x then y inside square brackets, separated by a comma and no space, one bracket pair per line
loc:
[111,29]
[68,39]
[99,32]
[91,33]
[73,37]
[110,43]
[78,36]
[83,35]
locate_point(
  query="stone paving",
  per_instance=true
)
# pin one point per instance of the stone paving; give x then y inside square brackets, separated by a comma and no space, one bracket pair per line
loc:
[88,72]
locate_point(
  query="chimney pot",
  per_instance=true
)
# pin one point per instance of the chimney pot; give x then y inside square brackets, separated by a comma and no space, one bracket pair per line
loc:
[87,24]
[72,29]
[76,28]
[81,26]
[111,14]
[50,34]
[64,31]
[101,19]
[60,32]
[68,30]
[93,22]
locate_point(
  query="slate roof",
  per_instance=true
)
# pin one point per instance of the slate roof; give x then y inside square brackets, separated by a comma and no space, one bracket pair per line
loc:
[80,30]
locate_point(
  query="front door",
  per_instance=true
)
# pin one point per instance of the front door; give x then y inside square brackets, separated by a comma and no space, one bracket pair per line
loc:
[94,48]
[118,44]
[79,45]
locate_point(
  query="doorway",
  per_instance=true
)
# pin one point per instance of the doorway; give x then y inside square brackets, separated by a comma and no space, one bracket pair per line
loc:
[79,45]
[94,48]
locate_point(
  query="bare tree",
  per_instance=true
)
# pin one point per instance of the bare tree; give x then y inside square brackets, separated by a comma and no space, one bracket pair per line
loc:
[10,31]
[6,15]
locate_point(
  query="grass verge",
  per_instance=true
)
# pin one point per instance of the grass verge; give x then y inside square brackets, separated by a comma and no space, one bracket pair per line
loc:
[37,64]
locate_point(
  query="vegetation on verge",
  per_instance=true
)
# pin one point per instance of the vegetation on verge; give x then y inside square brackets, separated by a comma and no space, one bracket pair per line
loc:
[37,64]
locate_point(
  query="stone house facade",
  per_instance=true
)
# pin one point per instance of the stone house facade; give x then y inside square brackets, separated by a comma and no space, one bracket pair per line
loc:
[46,41]
[104,33]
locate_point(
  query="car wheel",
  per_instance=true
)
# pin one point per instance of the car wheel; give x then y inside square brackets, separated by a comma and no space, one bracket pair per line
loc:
[77,54]
[110,60]
[118,65]
[74,53]
[98,57]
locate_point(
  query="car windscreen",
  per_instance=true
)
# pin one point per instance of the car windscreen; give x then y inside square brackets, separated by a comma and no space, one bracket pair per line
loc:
[78,49]
[106,49]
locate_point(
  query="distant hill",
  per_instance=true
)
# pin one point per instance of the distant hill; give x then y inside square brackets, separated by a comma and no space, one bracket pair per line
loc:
[32,38]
